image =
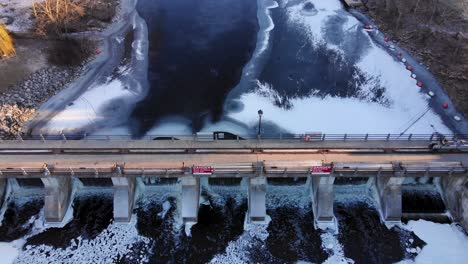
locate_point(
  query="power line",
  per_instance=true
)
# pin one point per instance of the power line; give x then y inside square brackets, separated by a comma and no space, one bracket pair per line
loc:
[415,121]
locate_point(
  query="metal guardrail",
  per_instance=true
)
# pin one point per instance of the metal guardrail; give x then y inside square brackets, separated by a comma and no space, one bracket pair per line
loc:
[219,136]
[283,169]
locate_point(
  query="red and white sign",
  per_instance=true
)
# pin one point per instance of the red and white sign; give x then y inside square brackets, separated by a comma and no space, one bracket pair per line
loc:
[324,169]
[202,170]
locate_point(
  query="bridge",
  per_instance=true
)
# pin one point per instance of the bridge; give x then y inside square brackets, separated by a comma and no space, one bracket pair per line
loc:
[386,160]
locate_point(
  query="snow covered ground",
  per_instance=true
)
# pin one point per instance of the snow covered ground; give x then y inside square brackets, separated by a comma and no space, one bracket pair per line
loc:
[20,11]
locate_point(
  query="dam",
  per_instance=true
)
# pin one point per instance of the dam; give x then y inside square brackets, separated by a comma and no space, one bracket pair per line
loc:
[384,161]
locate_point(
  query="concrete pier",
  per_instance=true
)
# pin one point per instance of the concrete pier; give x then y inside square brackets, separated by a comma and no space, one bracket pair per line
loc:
[58,191]
[257,202]
[389,191]
[323,198]
[455,191]
[3,190]
[124,195]
[190,198]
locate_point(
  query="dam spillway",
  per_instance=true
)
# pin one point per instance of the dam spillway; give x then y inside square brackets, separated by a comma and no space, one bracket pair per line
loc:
[384,163]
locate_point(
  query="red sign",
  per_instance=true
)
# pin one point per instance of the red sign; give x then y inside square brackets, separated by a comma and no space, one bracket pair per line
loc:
[326,169]
[202,170]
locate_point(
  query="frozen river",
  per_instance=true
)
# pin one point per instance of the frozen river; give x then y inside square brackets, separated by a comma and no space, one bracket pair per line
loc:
[309,65]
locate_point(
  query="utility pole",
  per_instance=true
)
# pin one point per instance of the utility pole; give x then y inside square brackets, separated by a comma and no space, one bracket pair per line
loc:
[260,113]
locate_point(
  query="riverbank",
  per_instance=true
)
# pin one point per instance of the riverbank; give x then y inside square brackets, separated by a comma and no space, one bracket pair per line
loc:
[20,102]
[436,35]
[45,64]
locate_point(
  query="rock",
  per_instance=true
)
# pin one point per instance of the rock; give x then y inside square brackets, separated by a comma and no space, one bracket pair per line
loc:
[7,20]
[19,103]
[93,23]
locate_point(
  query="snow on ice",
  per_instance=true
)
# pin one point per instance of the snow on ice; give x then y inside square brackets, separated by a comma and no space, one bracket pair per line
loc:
[88,109]
[445,243]
[107,247]
[346,115]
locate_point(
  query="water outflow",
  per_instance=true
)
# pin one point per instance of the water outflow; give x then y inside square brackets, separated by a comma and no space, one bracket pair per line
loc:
[17,218]
[156,233]
[197,52]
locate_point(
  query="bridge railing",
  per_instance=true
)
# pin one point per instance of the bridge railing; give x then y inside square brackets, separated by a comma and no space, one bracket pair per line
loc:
[220,136]
[282,169]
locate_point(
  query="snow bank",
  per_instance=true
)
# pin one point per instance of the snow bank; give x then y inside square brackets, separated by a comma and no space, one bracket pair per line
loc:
[266,24]
[171,126]
[445,243]
[89,108]
[9,252]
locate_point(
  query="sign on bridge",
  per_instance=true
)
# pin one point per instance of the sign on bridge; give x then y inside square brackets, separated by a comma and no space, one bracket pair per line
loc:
[202,170]
[324,169]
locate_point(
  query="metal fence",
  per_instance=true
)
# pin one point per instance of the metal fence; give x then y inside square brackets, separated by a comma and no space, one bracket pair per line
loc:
[228,136]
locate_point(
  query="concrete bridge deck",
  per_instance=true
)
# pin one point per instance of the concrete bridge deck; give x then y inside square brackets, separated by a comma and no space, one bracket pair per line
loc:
[99,165]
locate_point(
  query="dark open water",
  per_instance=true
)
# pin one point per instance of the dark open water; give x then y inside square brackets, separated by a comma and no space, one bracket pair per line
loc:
[197,51]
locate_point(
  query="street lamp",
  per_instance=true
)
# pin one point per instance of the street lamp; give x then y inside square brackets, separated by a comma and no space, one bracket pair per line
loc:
[260,113]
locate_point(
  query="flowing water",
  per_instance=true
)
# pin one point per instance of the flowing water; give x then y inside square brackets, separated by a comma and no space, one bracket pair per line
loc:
[157,235]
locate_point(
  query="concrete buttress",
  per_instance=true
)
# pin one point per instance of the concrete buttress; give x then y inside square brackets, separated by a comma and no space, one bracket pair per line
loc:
[455,191]
[190,198]
[58,191]
[124,195]
[257,196]
[389,191]
[323,198]
[3,190]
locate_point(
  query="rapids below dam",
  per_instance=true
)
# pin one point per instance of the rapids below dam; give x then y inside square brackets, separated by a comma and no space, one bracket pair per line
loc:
[310,66]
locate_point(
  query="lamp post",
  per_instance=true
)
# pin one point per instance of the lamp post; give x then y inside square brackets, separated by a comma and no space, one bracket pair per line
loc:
[260,113]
